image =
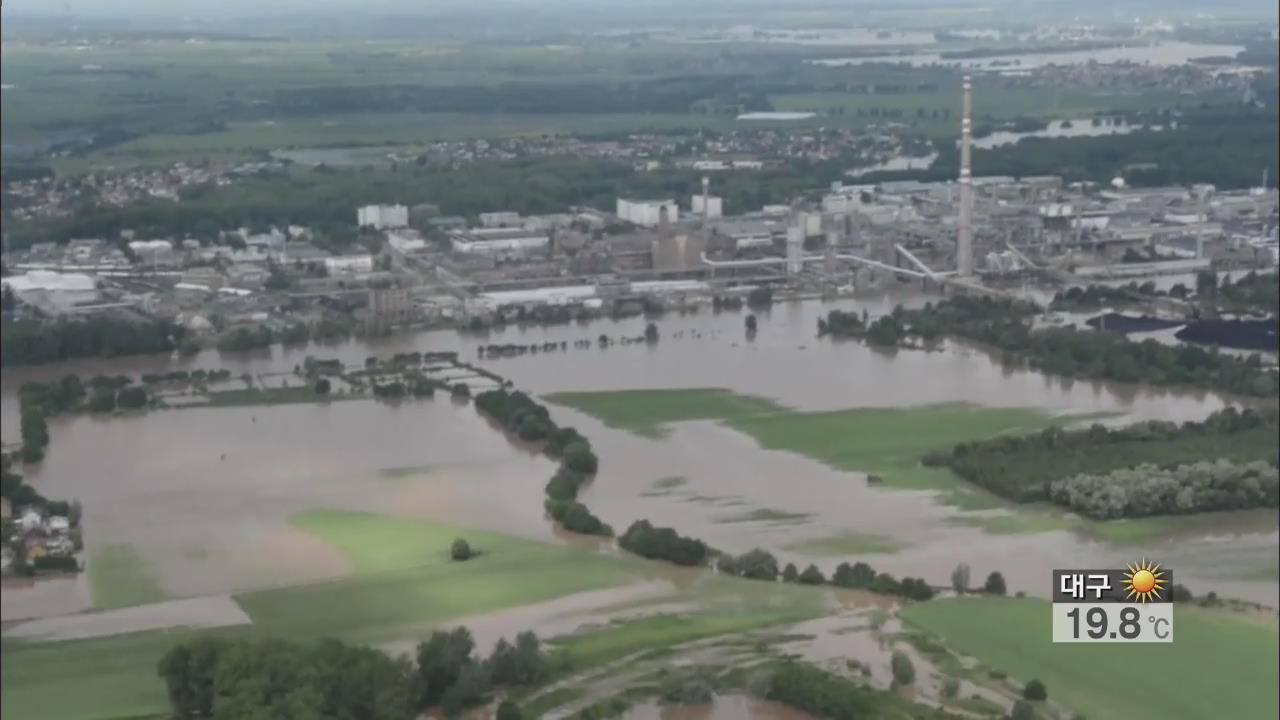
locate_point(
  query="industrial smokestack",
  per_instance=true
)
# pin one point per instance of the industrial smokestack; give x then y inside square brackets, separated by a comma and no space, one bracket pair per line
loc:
[706,196]
[964,239]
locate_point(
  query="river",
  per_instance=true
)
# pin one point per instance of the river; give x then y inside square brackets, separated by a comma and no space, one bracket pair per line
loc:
[157,482]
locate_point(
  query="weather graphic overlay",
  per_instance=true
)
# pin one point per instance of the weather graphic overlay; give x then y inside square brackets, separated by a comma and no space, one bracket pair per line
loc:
[1144,581]
[1130,605]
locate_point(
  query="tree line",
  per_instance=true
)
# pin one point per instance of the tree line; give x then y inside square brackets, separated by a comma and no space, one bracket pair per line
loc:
[760,564]
[530,421]
[29,341]
[211,677]
[325,200]
[1149,489]
[1006,325]
[1024,467]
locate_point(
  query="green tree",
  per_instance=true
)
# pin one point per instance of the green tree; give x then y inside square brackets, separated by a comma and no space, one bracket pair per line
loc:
[790,573]
[579,458]
[751,323]
[757,564]
[1022,710]
[469,689]
[651,333]
[994,584]
[439,661]
[1035,690]
[960,578]
[904,672]
[132,397]
[812,576]
[460,550]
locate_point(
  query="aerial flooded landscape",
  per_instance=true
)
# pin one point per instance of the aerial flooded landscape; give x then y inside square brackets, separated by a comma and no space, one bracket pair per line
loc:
[775,364]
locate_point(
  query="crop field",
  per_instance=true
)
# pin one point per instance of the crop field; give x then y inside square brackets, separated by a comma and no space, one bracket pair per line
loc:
[1221,663]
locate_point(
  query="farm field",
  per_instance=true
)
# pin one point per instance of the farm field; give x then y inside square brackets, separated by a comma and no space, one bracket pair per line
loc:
[886,442]
[1221,664]
[403,586]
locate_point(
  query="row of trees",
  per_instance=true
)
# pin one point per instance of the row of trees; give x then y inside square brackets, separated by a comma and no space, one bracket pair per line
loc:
[218,678]
[1152,490]
[1023,467]
[663,543]
[760,564]
[29,341]
[531,422]
[1252,292]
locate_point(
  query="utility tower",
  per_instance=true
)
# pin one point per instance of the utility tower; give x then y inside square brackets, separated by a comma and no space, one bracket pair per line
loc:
[964,237]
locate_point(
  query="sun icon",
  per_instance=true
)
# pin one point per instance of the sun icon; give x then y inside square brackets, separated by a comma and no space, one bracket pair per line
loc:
[1144,580]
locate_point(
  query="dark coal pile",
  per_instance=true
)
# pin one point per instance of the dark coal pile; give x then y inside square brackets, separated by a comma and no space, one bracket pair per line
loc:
[1238,334]
[1115,322]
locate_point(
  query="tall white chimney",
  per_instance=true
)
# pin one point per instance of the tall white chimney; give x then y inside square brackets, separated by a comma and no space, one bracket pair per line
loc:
[964,239]
[706,195]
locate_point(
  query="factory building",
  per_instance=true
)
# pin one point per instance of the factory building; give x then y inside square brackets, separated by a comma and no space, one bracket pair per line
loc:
[406,240]
[505,218]
[348,264]
[647,213]
[708,207]
[393,304]
[504,242]
[383,217]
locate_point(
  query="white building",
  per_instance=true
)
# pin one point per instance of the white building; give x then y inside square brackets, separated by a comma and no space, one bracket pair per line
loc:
[383,216]
[406,240]
[348,264]
[647,213]
[505,218]
[499,241]
[714,206]
[49,280]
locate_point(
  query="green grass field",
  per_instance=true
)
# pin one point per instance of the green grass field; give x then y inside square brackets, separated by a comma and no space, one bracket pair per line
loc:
[405,580]
[404,585]
[1220,665]
[644,412]
[845,544]
[658,632]
[887,442]
[377,543]
[118,577]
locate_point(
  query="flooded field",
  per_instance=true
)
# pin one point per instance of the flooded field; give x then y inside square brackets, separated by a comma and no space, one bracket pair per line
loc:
[203,495]
[332,518]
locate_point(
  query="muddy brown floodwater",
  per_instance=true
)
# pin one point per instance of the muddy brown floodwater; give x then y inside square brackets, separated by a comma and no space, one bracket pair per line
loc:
[208,526]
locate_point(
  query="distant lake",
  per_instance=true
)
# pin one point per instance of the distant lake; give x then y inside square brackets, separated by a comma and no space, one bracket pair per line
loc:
[1160,54]
[776,116]
[1061,129]
[317,156]
[895,164]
